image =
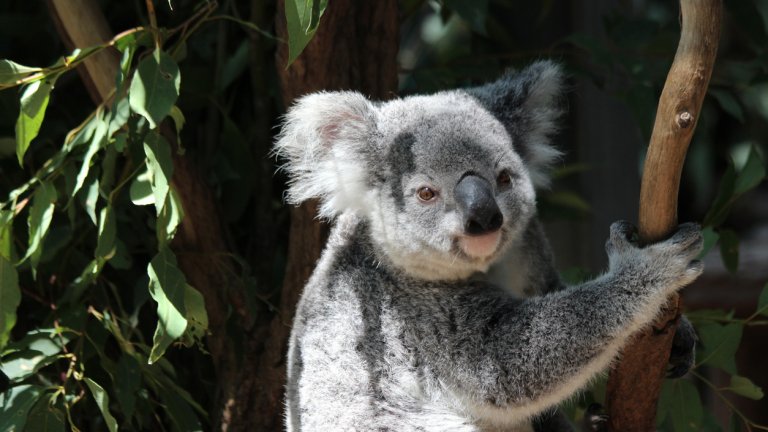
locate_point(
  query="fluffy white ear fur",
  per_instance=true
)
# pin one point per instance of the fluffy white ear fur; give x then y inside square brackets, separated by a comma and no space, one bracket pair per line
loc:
[326,139]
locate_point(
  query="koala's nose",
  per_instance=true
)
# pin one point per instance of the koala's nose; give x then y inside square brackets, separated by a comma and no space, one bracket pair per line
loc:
[474,198]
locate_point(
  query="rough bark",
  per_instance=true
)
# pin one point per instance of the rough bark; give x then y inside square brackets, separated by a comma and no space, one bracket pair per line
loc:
[635,382]
[355,48]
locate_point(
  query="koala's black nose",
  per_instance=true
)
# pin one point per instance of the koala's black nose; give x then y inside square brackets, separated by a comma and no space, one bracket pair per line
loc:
[474,197]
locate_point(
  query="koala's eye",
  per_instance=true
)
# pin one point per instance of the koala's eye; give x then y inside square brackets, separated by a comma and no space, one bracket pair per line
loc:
[504,178]
[426,193]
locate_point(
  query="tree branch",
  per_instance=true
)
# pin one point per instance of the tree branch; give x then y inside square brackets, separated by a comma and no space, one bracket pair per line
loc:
[634,384]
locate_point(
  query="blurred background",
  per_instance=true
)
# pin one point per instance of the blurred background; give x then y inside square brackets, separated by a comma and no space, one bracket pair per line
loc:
[616,53]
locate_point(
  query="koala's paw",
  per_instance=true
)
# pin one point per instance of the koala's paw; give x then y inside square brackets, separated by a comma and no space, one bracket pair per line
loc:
[683,353]
[666,265]
[595,419]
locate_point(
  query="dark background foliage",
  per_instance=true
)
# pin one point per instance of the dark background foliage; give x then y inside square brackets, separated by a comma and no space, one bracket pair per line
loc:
[72,329]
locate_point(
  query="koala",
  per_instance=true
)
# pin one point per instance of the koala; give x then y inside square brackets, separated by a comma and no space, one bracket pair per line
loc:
[399,327]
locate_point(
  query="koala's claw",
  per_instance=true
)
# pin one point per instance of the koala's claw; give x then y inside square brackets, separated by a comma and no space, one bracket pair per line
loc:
[683,353]
[595,419]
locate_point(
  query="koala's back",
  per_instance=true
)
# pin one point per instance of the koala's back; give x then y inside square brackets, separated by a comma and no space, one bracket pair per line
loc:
[357,356]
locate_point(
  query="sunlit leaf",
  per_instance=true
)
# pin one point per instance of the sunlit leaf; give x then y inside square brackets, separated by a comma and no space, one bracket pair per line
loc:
[102,400]
[167,286]
[729,250]
[300,24]
[34,101]
[91,198]
[10,297]
[197,317]
[14,406]
[169,218]
[141,189]
[155,87]
[39,221]
[744,387]
[160,167]
[97,141]
[34,351]
[11,72]
[105,243]
[6,234]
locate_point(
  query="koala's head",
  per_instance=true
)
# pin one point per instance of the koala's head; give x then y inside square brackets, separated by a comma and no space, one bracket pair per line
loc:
[446,181]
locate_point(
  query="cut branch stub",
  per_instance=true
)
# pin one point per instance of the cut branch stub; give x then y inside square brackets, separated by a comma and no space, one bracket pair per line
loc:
[635,382]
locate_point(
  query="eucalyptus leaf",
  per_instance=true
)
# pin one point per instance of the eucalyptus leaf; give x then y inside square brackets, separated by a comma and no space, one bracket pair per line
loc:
[11,72]
[39,220]
[718,345]
[45,418]
[167,286]
[155,87]
[34,101]
[6,234]
[160,167]
[37,349]
[169,218]
[15,404]
[686,409]
[105,243]
[744,387]
[299,24]
[91,198]
[710,240]
[197,317]
[127,383]
[97,141]
[141,189]
[10,297]
[102,400]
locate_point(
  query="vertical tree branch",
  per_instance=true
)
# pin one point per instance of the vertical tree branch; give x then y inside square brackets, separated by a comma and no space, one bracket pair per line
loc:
[634,384]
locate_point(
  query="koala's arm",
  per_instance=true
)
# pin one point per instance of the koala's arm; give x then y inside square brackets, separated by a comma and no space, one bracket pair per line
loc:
[531,354]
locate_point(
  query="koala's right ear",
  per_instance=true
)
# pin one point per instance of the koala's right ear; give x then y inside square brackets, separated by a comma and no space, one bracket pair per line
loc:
[327,141]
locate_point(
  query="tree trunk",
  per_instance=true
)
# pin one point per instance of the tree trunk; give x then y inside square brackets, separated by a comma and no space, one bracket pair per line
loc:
[355,48]
[634,384]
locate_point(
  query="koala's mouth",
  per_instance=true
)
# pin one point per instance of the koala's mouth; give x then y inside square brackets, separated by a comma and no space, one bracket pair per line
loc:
[480,246]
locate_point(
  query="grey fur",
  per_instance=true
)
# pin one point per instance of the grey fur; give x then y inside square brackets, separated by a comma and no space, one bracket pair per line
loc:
[398,328]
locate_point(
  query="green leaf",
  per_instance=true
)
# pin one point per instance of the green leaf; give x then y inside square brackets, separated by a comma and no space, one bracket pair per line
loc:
[167,286]
[37,349]
[45,418]
[729,250]
[762,302]
[91,198]
[473,12]
[710,240]
[11,72]
[751,174]
[160,167]
[197,317]
[729,103]
[39,221]
[6,234]
[127,383]
[96,143]
[718,345]
[169,219]
[686,409]
[102,400]
[105,243]
[178,121]
[10,297]
[14,406]
[744,387]
[300,24]
[34,101]
[141,189]
[155,87]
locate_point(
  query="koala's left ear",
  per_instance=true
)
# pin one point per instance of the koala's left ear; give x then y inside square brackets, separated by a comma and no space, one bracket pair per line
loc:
[528,103]
[327,141]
